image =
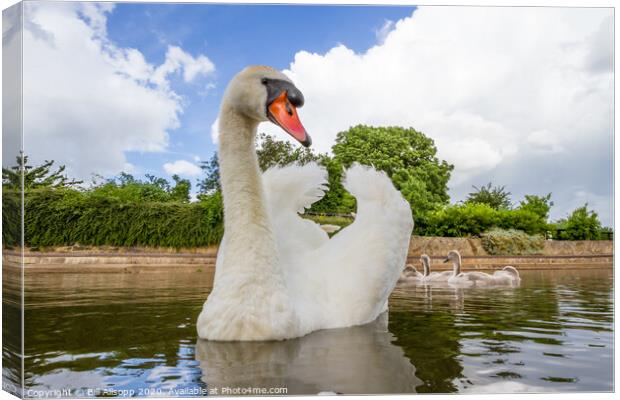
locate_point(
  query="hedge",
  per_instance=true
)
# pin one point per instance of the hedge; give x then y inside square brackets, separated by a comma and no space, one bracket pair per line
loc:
[61,217]
[66,217]
[473,219]
[11,230]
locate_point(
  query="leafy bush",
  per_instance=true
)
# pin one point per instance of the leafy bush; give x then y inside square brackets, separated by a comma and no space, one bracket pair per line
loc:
[540,205]
[473,219]
[582,224]
[11,209]
[66,217]
[606,233]
[511,242]
[463,220]
[523,220]
[126,188]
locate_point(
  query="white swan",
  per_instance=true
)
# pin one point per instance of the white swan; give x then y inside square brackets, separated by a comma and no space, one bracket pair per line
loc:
[410,275]
[279,276]
[430,277]
[507,276]
[426,265]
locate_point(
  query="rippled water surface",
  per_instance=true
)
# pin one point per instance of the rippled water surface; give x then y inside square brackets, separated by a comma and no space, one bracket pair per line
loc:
[134,334]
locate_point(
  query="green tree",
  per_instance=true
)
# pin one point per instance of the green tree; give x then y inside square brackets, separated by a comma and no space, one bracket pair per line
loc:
[336,199]
[495,197]
[128,189]
[406,155]
[416,192]
[211,183]
[272,152]
[582,224]
[180,190]
[539,205]
[40,176]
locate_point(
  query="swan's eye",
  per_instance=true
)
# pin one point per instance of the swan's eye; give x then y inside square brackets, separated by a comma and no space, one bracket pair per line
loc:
[289,110]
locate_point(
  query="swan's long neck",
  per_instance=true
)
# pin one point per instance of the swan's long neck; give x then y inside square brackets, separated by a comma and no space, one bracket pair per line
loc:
[456,266]
[246,221]
[427,269]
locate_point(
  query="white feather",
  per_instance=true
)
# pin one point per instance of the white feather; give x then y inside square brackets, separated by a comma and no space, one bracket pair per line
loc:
[294,188]
[347,279]
[288,190]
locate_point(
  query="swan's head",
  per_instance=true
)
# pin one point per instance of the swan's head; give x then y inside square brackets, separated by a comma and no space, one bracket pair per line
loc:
[264,94]
[409,270]
[454,256]
[426,263]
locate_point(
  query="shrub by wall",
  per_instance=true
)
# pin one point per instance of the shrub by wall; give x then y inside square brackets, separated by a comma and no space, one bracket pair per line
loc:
[511,242]
[473,219]
[66,217]
[62,217]
[330,220]
[11,208]
[582,224]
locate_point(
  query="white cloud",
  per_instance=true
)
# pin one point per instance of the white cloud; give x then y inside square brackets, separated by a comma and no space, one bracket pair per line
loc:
[545,142]
[460,151]
[95,14]
[384,31]
[88,101]
[182,167]
[176,60]
[495,87]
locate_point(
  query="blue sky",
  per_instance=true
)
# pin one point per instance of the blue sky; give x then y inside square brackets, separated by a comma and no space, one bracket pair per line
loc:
[234,36]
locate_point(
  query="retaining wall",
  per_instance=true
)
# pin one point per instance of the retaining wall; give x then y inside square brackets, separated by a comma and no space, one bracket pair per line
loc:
[560,254]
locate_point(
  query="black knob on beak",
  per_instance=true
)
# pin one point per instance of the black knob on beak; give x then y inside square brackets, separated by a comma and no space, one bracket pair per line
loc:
[295,96]
[276,86]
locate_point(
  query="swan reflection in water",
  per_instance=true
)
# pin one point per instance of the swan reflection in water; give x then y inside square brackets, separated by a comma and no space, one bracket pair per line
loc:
[355,360]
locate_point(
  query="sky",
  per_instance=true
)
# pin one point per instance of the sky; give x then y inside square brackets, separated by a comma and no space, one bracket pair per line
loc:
[521,97]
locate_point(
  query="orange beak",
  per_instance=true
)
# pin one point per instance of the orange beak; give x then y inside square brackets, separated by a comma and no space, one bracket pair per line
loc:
[282,113]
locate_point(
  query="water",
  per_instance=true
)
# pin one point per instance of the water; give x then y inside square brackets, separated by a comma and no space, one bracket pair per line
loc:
[134,334]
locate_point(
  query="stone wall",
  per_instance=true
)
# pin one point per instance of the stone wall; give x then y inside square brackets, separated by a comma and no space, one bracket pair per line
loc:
[564,254]
[471,247]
